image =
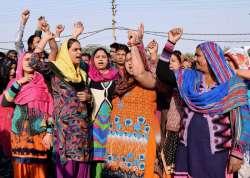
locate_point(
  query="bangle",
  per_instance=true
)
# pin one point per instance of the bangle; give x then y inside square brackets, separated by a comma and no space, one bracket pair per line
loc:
[135,44]
[171,42]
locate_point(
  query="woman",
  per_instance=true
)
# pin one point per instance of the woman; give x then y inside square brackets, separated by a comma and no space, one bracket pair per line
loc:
[129,138]
[70,94]
[206,134]
[171,119]
[102,86]
[239,61]
[8,72]
[131,144]
[30,137]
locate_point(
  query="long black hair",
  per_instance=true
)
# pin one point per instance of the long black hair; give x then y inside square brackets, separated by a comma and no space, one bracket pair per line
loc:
[101,49]
[31,39]
[178,54]
[5,72]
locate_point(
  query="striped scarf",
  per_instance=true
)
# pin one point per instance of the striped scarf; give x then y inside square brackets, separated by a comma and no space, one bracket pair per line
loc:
[230,94]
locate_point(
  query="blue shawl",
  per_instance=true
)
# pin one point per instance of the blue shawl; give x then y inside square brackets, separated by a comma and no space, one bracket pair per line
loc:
[229,95]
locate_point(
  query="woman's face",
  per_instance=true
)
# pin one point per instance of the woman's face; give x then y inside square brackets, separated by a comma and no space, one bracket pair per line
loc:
[174,63]
[200,61]
[26,61]
[101,60]
[186,64]
[36,41]
[128,64]
[75,53]
[12,71]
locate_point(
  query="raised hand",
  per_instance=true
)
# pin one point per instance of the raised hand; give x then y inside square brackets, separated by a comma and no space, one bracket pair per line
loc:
[59,29]
[45,27]
[232,60]
[49,35]
[41,22]
[133,38]
[25,16]
[152,47]
[78,29]
[136,37]
[141,32]
[175,34]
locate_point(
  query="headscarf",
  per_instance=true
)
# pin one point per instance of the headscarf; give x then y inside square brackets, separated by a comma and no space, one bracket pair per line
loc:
[64,64]
[241,60]
[97,76]
[229,95]
[35,93]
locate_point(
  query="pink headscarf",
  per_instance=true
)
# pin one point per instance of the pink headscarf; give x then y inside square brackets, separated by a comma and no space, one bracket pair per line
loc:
[35,93]
[97,76]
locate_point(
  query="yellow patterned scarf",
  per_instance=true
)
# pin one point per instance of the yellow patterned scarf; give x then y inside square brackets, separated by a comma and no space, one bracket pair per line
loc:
[65,65]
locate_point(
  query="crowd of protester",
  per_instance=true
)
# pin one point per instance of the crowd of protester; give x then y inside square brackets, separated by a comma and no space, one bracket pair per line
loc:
[123,112]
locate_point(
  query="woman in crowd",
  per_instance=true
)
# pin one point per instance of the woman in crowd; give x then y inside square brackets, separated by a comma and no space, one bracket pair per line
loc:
[30,137]
[132,120]
[102,84]
[172,119]
[71,97]
[207,137]
[239,60]
[8,72]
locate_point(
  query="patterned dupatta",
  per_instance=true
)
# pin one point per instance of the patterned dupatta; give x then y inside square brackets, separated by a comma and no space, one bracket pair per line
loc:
[230,94]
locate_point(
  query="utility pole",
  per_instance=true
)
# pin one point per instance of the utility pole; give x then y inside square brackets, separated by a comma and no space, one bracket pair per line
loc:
[114,5]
